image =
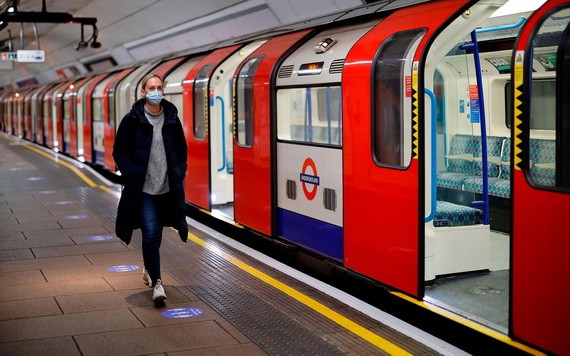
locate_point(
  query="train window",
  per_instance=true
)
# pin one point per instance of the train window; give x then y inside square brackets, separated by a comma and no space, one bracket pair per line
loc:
[549,154]
[542,113]
[45,112]
[111,110]
[201,102]
[391,64]
[66,113]
[244,102]
[97,110]
[312,115]
[439,91]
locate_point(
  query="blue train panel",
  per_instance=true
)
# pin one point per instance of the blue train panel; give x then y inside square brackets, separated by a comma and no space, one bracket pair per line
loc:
[315,235]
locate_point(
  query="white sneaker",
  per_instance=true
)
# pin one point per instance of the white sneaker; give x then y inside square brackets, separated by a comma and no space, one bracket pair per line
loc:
[158,295]
[146,278]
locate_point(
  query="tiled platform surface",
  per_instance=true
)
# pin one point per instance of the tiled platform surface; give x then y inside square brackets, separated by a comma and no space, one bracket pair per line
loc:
[58,296]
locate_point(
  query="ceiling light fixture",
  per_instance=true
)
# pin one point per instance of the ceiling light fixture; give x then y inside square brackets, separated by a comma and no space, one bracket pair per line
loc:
[94,43]
[82,44]
[13,15]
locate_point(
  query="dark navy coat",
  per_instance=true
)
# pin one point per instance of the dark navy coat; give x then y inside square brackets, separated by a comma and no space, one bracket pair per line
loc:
[131,152]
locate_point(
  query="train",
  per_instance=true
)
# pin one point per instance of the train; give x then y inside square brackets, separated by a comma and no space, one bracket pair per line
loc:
[422,147]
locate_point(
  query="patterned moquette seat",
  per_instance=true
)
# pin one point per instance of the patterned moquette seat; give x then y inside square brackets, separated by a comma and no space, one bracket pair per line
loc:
[449,214]
[498,154]
[462,149]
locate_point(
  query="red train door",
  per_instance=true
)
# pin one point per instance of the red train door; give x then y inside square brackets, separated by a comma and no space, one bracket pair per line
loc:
[252,145]
[58,107]
[109,117]
[46,116]
[383,204]
[73,139]
[196,99]
[28,114]
[541,180]
[88,124]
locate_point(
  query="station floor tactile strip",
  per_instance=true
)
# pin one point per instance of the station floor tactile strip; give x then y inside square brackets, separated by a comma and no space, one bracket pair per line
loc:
[272,320]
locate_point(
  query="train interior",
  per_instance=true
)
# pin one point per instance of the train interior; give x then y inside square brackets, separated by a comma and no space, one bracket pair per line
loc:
[476,254]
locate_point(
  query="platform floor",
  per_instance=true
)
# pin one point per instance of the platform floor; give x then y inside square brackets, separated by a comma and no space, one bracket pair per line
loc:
[70,287]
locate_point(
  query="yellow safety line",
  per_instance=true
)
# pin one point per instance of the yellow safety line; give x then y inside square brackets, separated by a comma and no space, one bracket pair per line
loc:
[341,320]
[320,308]
[65,164]
[484,330]
[110,191]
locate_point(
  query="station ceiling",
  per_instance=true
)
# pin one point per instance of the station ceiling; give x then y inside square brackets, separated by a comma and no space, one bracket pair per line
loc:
[135,30]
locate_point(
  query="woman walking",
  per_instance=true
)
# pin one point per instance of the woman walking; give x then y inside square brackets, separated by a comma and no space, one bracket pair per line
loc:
[150,151]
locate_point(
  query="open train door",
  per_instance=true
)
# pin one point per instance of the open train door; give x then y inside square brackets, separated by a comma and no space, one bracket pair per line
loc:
[541,180]
[382,126]
[197,101]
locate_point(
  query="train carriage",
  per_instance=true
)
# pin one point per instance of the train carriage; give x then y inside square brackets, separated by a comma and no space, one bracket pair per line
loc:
[310,199]
[98,99]
[197,98]
[109,118]
[90,109]
[253,138]
[18,114]
[71,117]
[58,111]
[27,114]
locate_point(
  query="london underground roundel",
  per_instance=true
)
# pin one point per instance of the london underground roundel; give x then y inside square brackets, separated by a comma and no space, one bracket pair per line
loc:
[309,178]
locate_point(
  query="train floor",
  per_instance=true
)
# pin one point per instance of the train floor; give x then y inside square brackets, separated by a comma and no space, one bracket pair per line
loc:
[483,296]
[70,287]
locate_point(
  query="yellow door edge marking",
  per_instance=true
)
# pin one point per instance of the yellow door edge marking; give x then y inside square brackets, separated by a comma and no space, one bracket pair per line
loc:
[341,320]
[480,328]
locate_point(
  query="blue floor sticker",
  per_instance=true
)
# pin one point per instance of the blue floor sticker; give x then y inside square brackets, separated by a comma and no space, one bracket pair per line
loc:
[182,313]
[99,238]
[123,268]
[75,217]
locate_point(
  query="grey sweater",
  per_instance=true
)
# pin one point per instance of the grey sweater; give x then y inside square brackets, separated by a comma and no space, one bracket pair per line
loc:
[156,181]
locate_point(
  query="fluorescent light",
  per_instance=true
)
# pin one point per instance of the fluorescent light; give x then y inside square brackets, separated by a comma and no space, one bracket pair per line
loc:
[518,6]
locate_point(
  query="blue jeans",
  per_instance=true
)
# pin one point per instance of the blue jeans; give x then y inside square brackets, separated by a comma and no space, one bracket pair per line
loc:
[151,228]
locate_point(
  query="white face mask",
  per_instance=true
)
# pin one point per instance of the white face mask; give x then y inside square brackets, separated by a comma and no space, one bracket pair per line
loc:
[154,97]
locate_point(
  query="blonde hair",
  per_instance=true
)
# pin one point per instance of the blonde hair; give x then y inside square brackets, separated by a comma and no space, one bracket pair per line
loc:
[147,78]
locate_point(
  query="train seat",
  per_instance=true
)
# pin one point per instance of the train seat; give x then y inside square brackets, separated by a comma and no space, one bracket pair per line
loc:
[498,151]
[459,242]
[450,214]
[494,157]
[462,150]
